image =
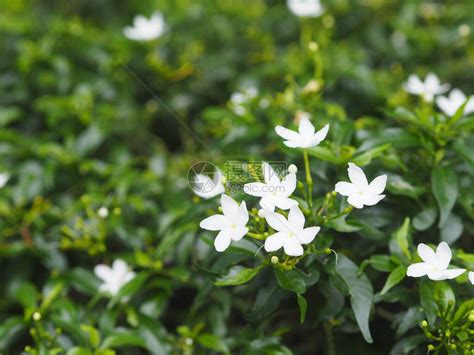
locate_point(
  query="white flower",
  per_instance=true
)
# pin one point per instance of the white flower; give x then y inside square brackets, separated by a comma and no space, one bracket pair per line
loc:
[306,8]
[471,276]
[115,277]
[427,89]
[359,191]
[435,265]
[231,225]
[239,99]
[305,137]
[274,192]
[291,233]
[450,104]
[207,188]
[103,212]
[144,29]
[4,177]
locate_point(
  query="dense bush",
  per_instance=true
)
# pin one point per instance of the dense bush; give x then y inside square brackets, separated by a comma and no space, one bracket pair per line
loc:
[99,131]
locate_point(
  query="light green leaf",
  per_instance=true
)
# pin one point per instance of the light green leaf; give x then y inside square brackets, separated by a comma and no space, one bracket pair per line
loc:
[395,277]
[425,219]
[452,229]
[427,301]
[123,338]
[366,157]
[445,189]
[401,237]
[361,293]
[213,342]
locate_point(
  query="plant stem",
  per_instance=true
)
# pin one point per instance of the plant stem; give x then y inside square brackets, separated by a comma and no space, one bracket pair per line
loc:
[309,179]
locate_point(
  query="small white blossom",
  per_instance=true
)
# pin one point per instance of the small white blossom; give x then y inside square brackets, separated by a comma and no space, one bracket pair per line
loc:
[115,277]
[451,103]
[273,192]
[305,137]
[4,177]
[231,224]
[359,191]
[207,188]
[103,212]
[471,276]
[427,89]
[435,264]
[145,29]
[239,99]
[291,233]
[306,8]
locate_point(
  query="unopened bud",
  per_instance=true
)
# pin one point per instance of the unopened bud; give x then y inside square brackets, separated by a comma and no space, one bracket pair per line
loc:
[424,324]
[292,169]
[313,46]
[103,212]
[327,251]
[275,259]
[261,213]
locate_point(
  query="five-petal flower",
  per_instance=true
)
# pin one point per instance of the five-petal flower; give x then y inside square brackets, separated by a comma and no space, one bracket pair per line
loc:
[231,224]
[451,103]
[435,264]
[274,192]
[305,137]
[145,29]
[359,191]
[115,277]
[306,8]
[427,89]
[291,233]
[207,188]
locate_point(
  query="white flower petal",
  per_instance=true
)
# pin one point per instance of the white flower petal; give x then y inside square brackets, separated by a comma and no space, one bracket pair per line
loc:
[345,188]
[292,247]
[427,254]
[356,200]
[255,189]
[239,233]
[274,242]
[284,203]
[269,175]
[378,184]
[103,272]
[296,219]
[320,135]
[120,267]
[450,274]
[444,255]
[308,234]
[222,240]
[418,269]
[288,184]
[286,133]
[242,215]
[357,176]
[213,223]
[230,208]
[305,127]
[372,200]
[277,221]
[294,143]
[471,277]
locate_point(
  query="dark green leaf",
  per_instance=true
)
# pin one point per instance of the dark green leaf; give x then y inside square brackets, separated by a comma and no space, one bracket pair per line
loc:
[290,280]
[303,305]
[238,275]
[445,189]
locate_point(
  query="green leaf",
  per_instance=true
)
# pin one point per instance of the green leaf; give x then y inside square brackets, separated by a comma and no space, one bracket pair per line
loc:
[324,154]
[361,293]
[427,301]
[79,351]
[401,237]
[130,288]
[445,189]
[382,263]
[123,338]
[51,296]
[27,295]
[238,275]
[94,335]
[366,157]
[452,229]
[303,306]
[411,318]
[395,277]
[425,219]
[444,293]
[290,280]
[9,329]
[213,342]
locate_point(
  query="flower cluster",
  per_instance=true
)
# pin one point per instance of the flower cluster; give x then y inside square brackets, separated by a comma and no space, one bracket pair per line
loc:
[276,199]
[432,87]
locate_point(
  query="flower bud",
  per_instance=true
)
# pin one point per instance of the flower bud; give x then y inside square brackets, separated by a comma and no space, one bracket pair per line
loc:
[103,212]
[292,169]
[274,259]
[471,318]
[424,324]
[189,341]
[37,316]
[313,46]
[327,251]
[261,213]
